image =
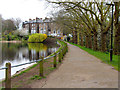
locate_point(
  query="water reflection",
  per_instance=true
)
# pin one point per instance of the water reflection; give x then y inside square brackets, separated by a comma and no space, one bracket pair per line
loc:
[18,53]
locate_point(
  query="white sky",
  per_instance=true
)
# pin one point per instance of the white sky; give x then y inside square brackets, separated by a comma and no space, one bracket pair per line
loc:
[24,9]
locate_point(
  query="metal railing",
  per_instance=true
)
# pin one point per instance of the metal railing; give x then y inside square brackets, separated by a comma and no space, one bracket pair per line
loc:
[28,62]
[8,67]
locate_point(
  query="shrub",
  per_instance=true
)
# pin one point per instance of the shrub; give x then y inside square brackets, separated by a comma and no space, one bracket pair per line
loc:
[25,37]
[37,37]
[45,36]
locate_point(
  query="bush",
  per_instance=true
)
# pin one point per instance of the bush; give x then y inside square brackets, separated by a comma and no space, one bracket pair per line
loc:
[25,37]
[37,37]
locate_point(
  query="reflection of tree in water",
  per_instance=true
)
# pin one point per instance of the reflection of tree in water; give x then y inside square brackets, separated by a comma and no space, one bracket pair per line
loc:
[37,46]
[36,50]
[9,50]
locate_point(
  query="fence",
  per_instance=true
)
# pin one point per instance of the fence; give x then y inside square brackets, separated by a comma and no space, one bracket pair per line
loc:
[8,67]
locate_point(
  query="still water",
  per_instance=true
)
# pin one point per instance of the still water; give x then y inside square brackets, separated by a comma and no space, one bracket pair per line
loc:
[18,53]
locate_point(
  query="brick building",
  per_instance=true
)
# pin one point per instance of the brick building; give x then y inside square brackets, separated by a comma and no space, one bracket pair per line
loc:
[44,26]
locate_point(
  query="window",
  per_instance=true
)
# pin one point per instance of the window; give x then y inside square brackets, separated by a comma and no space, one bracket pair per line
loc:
[58,32]
[41,28]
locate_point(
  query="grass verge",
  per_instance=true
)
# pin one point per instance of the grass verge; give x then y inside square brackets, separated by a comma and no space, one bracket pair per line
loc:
[104,57]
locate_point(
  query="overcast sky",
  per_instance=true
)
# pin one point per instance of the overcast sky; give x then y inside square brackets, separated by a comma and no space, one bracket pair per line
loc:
[24,9]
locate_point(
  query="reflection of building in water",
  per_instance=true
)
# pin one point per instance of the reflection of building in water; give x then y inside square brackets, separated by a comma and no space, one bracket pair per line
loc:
[52,50]
[33,55]
[22,54]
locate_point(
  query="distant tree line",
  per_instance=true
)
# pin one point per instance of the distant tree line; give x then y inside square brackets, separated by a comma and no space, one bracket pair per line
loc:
[89,23]
[9,30]
[9,25]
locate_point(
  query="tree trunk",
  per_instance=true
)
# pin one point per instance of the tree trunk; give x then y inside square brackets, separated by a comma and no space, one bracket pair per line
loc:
[90,41]
[37,28]
[30,28]
[78,37]
[117,29]
[95,47]
[75,37]
[81,43]
[86,41]
[103,42]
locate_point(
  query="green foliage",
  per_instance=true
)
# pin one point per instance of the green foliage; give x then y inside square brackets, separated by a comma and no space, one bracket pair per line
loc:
[51,68]
[37,37]
[26,70]
[62,44]
[25,37]
[104,57]
[11,36]
[36,77]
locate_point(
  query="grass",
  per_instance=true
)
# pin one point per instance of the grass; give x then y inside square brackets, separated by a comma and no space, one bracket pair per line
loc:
[62,44]
[26,70]
[104,57]
[51,68]
[37,77]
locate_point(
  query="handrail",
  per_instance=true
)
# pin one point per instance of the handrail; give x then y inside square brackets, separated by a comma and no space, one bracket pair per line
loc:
[30,61]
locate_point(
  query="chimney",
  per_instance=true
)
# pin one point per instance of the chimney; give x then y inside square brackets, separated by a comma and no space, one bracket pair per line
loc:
[30,19]
[46,18]
[37,18]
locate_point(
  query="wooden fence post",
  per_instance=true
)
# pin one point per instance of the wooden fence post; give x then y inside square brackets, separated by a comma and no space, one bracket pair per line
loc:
[67,48]
[54,60]
[60,56]
[41,66]
[62,53]
[8,76]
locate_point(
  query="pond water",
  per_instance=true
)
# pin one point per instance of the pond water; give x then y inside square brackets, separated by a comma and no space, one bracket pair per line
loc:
[19,53]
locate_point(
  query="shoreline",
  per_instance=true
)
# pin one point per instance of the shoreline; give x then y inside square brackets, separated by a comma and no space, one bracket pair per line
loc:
[10,41]
[23,69]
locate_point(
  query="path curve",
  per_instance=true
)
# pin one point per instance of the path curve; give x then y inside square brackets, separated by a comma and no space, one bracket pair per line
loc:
[81,70]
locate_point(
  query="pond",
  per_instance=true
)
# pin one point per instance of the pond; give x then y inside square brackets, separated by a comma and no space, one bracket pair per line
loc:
[19,53]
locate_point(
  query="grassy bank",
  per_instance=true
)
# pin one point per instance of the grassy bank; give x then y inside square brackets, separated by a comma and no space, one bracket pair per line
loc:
[62,44]
[104,57]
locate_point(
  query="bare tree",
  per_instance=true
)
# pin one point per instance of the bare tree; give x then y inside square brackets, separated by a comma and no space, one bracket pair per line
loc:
[17,22]
[8,25]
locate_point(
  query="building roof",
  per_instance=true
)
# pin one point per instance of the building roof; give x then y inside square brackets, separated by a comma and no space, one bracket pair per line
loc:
[38,20]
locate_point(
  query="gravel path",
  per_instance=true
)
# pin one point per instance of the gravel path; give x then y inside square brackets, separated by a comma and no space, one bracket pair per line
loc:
[81,70]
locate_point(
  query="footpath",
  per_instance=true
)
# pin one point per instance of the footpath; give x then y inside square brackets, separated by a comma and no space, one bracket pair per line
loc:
[81,70]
